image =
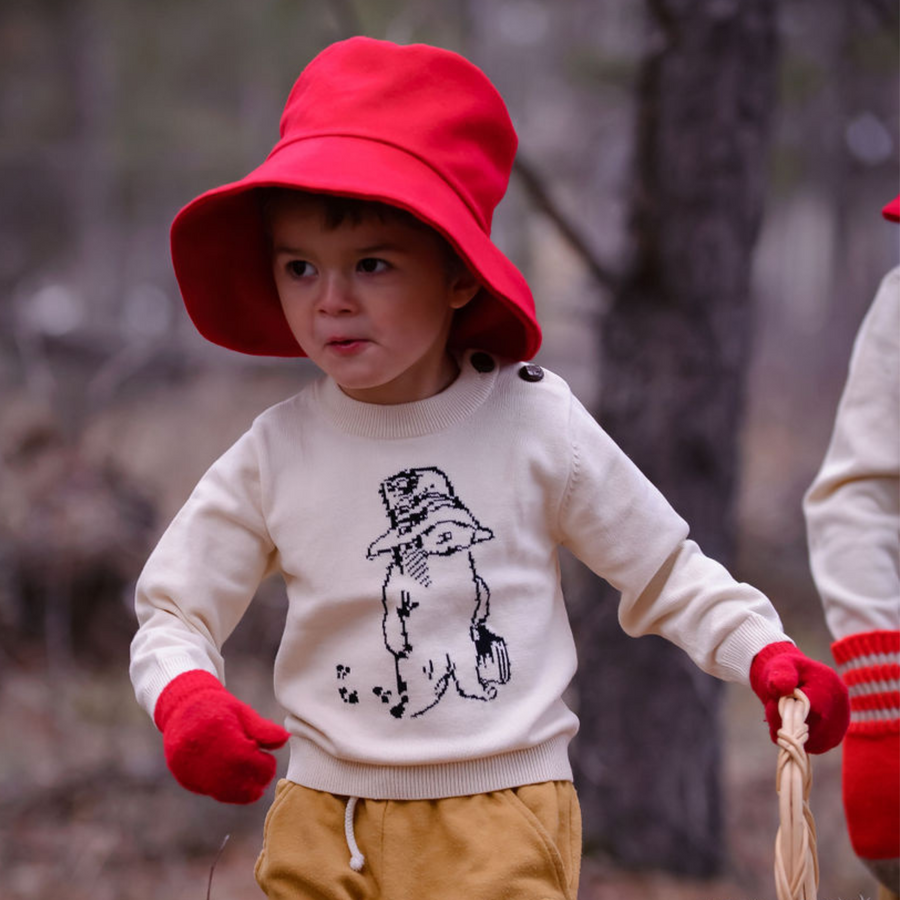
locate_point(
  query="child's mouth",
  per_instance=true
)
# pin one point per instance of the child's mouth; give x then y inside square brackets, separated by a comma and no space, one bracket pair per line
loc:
[347,346]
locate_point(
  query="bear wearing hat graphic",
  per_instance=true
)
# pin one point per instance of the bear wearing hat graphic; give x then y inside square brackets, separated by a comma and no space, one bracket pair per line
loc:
[435,602]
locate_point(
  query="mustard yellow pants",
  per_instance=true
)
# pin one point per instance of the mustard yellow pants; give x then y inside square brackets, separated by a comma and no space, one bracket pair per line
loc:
[518,844]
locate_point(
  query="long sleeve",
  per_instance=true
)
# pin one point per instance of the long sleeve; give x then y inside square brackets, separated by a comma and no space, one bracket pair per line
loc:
[853,506]
[201,577]
[619,525]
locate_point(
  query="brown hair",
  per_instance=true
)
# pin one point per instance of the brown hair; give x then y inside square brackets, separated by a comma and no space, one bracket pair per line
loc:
[337,209]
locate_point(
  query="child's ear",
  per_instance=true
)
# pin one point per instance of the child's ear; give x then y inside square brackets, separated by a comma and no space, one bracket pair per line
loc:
[463,288]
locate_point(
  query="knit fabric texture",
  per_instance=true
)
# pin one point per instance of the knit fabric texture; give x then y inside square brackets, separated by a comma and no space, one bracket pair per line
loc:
[869,663]
[215,744]
[853,506]
[781,668]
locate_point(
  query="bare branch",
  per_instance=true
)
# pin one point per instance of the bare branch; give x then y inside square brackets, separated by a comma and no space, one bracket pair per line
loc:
[540,195]
[212,868]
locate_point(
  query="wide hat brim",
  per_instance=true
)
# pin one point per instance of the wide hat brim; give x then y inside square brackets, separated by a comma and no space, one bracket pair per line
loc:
[891,211]
[222,258]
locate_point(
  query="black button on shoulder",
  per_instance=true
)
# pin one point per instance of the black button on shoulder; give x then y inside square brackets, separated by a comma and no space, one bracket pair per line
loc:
[531,373]
[483,362]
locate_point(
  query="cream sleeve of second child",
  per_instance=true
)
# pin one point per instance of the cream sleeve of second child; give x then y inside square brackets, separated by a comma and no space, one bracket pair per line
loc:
[853,506]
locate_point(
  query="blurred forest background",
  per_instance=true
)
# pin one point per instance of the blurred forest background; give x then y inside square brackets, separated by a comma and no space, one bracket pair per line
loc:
[113,114]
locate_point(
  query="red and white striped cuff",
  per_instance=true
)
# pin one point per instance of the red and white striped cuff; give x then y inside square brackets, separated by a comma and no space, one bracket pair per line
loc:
[869,664]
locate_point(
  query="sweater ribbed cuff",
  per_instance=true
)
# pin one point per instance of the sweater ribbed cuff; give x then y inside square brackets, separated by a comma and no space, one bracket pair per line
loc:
[869,664]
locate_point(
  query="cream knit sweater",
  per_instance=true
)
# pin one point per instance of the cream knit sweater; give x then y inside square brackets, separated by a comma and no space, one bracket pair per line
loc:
[426,647]
[853,506]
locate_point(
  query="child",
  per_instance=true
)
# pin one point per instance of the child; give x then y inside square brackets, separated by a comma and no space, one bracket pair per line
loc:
[852,516]
[414,499]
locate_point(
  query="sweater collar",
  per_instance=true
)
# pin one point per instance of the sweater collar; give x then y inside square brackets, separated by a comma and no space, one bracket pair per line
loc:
[408,420]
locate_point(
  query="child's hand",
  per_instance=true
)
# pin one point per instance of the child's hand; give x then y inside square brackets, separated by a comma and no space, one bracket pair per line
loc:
[780,668]
[214,743]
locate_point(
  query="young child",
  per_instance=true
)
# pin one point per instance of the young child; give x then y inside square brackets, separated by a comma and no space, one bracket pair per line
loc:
[853,524]
[414,499]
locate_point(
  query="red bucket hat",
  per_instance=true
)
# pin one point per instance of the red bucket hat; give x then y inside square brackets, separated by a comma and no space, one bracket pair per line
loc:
[891,211]
[415,127]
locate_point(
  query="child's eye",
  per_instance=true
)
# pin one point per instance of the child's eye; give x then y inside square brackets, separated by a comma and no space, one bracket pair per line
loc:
[299,268]
[372,266]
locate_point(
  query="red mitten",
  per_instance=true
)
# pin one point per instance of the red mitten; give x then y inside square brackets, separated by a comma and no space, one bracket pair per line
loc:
[780,668]
[214,743]
[869,664]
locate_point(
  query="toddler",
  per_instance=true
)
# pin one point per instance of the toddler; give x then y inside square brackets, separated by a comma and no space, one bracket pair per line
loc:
[414,499]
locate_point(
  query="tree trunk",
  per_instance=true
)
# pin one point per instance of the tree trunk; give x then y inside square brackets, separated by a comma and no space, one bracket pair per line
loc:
[674,353]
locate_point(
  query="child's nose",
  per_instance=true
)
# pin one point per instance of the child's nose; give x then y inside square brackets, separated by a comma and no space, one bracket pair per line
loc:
[336,297]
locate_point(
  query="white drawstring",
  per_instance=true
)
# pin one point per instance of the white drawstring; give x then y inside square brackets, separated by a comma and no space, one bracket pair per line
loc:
[357,860]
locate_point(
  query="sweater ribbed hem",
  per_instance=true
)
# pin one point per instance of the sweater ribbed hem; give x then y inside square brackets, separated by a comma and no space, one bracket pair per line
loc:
[314,768]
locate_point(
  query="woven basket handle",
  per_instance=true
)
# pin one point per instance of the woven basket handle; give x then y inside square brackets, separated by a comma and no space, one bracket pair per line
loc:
[796,864]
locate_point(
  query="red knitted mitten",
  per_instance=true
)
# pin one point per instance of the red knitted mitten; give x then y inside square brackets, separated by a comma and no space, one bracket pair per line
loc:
[214,743]
[869,663]
[780,668]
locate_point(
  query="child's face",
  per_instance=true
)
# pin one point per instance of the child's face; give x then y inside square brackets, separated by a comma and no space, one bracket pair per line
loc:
[371,303]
